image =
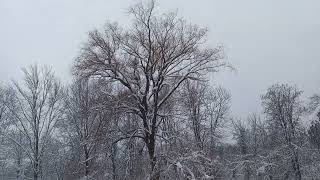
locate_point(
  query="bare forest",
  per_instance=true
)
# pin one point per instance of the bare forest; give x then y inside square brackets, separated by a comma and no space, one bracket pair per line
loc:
[141,106]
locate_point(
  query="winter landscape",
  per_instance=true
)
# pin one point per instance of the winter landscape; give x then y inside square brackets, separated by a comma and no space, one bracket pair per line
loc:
[159,90]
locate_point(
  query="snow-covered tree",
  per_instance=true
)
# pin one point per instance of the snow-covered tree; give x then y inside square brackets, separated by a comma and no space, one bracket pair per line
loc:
[149,62]
[36,108]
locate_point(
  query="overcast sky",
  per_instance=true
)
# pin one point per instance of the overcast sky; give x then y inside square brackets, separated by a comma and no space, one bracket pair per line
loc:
[268,41]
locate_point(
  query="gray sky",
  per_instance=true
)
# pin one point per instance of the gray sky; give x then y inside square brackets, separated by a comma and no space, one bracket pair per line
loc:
[268,41]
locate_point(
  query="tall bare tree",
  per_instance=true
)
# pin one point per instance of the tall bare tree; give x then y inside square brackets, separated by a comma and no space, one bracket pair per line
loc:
[37,108]
[283,108]
[149,61]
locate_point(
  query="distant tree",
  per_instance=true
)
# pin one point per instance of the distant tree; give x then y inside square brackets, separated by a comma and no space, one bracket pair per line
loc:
[6,96]
[149,62]
[217,110]
[257,132]
[242,137]
[284,109]
[314,129]
[207,109]
[314,104]
[314,133]
[193,98]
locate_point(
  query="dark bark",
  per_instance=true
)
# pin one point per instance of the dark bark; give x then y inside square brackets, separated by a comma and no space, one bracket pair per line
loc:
[86,153]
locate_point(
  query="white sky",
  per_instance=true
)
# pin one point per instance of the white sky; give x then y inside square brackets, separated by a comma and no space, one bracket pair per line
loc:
[267,41]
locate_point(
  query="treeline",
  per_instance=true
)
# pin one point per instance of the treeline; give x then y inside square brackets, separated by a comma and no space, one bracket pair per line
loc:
[141,107]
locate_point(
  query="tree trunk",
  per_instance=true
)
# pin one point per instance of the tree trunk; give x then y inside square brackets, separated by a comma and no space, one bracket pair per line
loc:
[113,159]
[86,152]
[196,126]
[19,158]
[296,166]
[154,175]
[35,171]
[36,160]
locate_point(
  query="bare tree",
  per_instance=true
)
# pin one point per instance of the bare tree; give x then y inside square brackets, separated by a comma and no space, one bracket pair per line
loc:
[314,104]
[241,135]
[4,146]
[258,132]
[314,134]
[85,120]
[217,110]
[193,98]
[149,61]
[12,151]
[6,96]
[283,108]
[314,130]
[208,109]
[252,159]
[36,110]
